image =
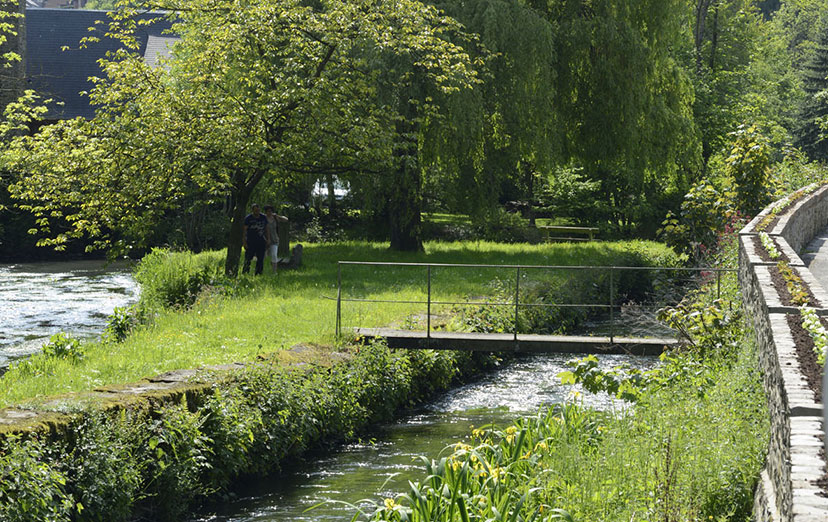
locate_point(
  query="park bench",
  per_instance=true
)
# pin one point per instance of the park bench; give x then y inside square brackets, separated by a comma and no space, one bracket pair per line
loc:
[567,233]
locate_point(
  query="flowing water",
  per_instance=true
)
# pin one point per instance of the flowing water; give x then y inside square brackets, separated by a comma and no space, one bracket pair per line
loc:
[382,466]
[38,300]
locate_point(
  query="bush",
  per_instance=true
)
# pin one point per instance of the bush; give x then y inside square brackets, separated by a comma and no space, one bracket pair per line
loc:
[32,486]
[505,227]
[63,346]
[175,279]
[105,470]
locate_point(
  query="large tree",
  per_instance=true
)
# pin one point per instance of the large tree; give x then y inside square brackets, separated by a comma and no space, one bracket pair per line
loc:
[253,90]
[624,102]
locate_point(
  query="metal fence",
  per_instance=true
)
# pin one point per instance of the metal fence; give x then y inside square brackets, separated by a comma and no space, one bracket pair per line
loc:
[609,304]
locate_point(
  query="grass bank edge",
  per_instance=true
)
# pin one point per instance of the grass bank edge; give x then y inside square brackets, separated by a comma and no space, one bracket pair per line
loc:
[145,460]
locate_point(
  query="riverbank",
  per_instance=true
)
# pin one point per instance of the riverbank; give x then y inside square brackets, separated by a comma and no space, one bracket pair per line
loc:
[153,455]
[41,299]
[690,447]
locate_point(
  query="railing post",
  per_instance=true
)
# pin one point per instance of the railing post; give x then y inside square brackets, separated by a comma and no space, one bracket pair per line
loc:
[517,298]
[338,299]
[611,301]
[428,310]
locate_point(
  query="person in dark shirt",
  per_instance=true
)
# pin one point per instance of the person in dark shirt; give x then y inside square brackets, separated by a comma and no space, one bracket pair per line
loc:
[255,241]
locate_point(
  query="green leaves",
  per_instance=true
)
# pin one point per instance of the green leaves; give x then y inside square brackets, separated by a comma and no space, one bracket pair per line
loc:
[257,90]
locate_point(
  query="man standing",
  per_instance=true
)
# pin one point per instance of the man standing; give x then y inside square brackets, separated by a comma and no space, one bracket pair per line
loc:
[254,239]
[272,235]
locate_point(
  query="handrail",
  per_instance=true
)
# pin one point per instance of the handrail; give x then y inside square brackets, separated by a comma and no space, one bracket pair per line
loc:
[516,302]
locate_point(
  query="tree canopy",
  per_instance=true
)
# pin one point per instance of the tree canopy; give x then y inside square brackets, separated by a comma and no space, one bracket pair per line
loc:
[252,90]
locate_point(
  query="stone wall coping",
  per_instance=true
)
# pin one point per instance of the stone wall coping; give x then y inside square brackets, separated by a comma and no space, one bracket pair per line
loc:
[791,213]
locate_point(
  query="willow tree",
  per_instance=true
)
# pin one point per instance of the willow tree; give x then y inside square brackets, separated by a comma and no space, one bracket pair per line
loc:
[623,100]
[253,90]
[464,147]
[496,137]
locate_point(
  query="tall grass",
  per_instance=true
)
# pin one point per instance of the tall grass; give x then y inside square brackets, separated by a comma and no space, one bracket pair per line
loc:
[254,316]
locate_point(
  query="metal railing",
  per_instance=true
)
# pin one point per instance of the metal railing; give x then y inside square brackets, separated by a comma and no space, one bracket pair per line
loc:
[610,303]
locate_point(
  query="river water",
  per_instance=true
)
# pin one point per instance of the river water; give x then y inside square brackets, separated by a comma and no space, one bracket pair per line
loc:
[382,466]
[38,300]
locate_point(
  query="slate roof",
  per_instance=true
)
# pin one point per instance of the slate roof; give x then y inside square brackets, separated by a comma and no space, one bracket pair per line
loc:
[62,75]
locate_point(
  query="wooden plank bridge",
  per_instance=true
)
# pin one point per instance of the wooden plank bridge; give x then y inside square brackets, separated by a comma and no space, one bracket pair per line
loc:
[520,343]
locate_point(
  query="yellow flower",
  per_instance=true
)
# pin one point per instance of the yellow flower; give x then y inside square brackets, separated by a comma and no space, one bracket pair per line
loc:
[511,430]
[390,503]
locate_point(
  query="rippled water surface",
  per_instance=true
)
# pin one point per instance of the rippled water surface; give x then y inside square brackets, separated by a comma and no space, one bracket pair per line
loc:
[40,299]
[383,466]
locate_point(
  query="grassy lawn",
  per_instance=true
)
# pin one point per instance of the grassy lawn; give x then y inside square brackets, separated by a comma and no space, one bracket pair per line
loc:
[271,313]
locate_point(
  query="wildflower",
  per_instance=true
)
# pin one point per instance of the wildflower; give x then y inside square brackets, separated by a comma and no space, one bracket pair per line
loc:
[390,503]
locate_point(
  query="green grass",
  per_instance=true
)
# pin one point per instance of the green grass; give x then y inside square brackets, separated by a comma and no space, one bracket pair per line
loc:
[441,218]
[271,313]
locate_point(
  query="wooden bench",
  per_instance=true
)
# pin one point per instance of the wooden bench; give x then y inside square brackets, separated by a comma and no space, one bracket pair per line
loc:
[549,230]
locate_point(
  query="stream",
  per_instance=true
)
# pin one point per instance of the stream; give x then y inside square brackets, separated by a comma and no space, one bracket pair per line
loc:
[381,467]
[38,300]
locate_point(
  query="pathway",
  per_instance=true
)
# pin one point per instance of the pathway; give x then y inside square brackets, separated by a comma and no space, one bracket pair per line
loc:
[815,257]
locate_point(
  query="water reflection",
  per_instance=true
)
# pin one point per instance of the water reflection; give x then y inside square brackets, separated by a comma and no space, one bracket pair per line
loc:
[40,299]
[382,467]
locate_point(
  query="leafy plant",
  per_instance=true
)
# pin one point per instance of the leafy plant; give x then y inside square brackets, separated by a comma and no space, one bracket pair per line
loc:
[769,245]
[795,285]
[63,346]
[32,486]
[120,323]
[812,323]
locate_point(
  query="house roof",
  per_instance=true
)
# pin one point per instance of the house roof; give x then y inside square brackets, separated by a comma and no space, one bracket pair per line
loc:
[62,75]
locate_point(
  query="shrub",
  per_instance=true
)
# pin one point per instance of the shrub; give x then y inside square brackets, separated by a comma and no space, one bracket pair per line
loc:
[105,471]
[63,346]
[32,486]
[175,279]
[504,227]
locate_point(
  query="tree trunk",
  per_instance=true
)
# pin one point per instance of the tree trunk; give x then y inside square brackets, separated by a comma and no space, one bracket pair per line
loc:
[405,198]
[329,179]
[235,240]
[714,39]
[702,6]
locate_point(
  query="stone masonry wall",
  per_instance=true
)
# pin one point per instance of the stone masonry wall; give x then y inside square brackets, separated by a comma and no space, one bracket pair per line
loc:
[787,490]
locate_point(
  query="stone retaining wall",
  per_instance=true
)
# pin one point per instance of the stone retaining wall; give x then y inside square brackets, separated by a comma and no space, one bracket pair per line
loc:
[787,490]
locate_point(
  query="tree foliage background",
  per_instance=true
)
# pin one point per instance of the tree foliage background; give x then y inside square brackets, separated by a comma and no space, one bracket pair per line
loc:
[606,112]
